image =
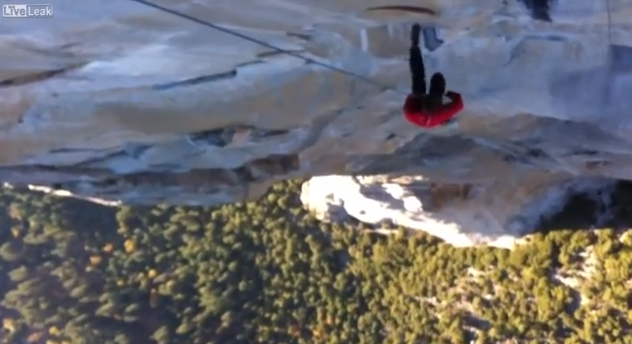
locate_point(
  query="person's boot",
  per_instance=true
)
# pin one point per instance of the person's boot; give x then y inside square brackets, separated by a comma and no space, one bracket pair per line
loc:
[414,35]
[431,40]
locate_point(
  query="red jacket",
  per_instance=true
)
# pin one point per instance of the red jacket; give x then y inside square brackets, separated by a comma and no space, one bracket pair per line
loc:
[417,116]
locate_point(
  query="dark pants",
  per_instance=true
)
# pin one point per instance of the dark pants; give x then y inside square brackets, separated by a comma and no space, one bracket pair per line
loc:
[418,75]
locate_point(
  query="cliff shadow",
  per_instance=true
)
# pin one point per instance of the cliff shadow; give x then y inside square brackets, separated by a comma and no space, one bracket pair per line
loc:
[539,9]
[598,95]
[605,206]
[584,211]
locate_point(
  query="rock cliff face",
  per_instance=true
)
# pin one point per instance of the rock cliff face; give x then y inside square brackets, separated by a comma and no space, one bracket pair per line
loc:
[496,214]
[127,103]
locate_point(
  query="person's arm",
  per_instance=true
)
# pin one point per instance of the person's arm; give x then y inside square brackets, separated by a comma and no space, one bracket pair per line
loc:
[447,111]
[456,103]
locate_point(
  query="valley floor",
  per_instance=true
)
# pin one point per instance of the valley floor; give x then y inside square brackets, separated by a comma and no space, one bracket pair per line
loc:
[269,272]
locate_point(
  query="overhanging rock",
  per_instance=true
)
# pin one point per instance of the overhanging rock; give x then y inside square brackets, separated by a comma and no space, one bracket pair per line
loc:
[146,107]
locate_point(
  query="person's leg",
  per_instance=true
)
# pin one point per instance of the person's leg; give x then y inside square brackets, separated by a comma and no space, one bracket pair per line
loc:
[437,84]
[437,88]
[431,41]
[416,62]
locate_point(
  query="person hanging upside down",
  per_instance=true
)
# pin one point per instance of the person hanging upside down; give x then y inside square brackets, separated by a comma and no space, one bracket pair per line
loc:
[428,110]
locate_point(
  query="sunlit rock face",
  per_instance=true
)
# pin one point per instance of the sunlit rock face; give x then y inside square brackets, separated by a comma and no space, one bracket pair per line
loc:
[124,103]
[496,214]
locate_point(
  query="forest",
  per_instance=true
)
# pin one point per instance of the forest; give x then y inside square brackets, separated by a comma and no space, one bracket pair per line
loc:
[73,272]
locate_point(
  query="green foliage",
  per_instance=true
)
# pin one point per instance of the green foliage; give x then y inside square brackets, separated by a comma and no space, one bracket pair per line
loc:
[269,272]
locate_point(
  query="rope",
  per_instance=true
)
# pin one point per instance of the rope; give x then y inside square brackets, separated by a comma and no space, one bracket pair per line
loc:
[265,44]
[609,21]
[609,57]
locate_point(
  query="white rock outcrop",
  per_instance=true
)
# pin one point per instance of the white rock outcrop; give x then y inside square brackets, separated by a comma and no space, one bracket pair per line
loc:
[121,102]
[463,215]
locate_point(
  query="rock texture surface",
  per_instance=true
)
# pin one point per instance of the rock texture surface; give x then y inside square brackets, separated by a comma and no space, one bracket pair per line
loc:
[126,103]
[497,214]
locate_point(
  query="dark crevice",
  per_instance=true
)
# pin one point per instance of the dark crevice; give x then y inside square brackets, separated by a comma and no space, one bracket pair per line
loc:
[404,8]
[224,136]
[583,210]
[262,133]
[421,152]
[621,58]
[547,37]
[99,159]
[54,52]
[539,9]
[194,180]
[526,157]
[301,36]
[214,137]
[38,76]
[253,171]
[581,152]
[249,63]
[197,80]
[136,150]
[280,164]
[276,53]
[69,150]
